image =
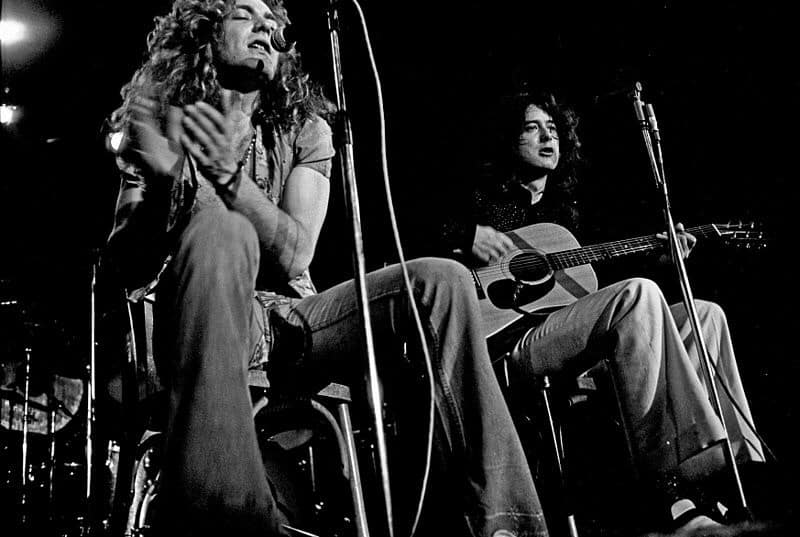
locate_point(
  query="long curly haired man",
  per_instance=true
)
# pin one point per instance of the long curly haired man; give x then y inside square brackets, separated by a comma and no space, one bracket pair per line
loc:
[224,191]
[180,67]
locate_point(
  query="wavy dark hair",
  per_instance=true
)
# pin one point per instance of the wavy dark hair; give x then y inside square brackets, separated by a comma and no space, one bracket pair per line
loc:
[510,122]
[499,163]
[179,68]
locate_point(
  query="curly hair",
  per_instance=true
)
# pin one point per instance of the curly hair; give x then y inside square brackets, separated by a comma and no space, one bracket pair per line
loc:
[179,67]
[511,122]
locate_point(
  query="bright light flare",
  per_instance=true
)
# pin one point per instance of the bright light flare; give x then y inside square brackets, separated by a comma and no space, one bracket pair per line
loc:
[11,32]
[115,141]
[8,114]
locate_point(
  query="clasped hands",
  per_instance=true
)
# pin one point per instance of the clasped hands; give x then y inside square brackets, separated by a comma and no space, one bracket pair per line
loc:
[203,131]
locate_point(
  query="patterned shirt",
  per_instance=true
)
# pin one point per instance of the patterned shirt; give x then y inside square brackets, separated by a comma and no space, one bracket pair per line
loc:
[505,206]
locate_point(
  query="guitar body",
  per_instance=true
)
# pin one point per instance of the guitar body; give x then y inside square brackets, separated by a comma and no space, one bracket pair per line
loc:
[522,283]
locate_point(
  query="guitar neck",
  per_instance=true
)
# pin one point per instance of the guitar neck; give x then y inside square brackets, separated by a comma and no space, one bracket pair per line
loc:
[612,250]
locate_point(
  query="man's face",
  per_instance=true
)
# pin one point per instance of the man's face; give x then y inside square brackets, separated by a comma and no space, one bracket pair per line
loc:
[537,145]
[245,40]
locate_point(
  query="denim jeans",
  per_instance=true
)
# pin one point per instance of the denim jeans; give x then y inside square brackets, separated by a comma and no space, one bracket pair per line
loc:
[207,326]
[657,373]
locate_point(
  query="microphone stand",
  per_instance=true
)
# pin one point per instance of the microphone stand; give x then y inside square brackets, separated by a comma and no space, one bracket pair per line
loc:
[652,140]
[24,507]
[90,392]
[345,140]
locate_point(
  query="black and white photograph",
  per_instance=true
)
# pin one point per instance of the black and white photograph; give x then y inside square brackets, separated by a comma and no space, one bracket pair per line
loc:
[352,268]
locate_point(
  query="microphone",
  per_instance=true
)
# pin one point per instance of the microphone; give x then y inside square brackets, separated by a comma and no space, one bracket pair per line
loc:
[638,105]
[651,120]
[283,38]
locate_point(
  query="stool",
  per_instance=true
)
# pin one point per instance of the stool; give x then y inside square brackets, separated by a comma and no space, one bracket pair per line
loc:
[142,476]
[569,392]
[145,478]
[556,437]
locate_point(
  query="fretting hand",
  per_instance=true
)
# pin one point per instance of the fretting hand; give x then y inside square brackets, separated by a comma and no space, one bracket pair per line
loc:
[685,239]
[208,137]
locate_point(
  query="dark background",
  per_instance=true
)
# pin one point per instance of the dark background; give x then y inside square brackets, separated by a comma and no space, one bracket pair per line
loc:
[723,79]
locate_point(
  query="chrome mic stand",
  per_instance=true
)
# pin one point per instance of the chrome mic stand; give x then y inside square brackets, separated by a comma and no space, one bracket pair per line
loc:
[646,118]
[345,140]
[90,403]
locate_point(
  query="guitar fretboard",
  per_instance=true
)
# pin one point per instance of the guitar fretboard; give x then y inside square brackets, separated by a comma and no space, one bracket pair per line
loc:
[610,250]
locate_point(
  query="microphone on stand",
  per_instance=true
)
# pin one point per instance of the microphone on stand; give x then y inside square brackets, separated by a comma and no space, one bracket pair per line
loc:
[638,105]
[651,120]
[283,38]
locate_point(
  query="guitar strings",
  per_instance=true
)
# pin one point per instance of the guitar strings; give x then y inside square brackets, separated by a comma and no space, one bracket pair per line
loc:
[587,254]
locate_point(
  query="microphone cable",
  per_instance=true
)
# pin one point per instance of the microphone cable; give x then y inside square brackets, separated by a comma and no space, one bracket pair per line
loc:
[402,262]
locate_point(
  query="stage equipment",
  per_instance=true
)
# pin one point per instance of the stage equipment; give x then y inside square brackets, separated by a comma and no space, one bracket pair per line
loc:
[344,136]
[645,116]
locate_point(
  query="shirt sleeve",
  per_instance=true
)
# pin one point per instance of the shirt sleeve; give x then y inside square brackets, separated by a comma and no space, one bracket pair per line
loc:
[137,244]
[314,146]
[131,194]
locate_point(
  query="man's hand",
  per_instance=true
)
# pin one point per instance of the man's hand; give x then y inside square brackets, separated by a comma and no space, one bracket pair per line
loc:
[686,241]
[490,245]
[208,137]
[157,151]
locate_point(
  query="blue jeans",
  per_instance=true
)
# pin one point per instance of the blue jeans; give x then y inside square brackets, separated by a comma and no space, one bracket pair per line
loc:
[208,324]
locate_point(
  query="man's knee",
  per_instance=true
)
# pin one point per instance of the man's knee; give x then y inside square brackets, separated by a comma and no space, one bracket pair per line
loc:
[218,234]
[441,273]
[711,311]
[641,291]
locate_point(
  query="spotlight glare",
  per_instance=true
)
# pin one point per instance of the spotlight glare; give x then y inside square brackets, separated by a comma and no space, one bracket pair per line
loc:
[7,114]
[11,32]
[115,141]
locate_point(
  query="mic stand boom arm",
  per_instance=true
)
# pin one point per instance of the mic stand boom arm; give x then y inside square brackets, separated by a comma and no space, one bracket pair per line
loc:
[345,140]
[652,140]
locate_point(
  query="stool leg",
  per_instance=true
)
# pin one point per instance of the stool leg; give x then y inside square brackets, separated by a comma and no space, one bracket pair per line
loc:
[558,454]
[359,508]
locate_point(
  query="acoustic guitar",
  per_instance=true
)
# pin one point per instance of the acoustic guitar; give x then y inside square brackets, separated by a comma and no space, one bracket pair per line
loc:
[548,270]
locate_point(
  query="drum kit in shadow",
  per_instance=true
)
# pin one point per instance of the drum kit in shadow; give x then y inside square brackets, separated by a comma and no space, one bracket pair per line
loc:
[42,441]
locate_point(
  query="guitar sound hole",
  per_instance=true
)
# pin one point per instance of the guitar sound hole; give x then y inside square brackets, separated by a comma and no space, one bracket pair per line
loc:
[529,267]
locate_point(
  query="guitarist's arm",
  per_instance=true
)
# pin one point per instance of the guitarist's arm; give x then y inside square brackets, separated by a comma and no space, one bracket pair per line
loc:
[489,244]
[456,227]
[465,234]
[655,263]
[457,236]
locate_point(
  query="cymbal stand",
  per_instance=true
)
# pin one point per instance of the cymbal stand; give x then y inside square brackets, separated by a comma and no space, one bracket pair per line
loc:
[652,139]
[51,431]
[25,411]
